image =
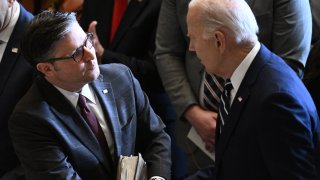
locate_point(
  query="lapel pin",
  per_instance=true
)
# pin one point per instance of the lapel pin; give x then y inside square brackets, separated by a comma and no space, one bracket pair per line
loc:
[239,99]
[14,50]
[105,91]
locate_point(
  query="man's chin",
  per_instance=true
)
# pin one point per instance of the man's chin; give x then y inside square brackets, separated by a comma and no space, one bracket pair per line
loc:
[93,74]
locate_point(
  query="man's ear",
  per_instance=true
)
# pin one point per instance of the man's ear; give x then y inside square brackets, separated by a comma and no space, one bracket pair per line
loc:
[45,68]
[220,41]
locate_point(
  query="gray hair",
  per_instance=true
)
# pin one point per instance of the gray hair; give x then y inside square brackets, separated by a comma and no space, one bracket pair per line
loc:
[232,16]
[42,32]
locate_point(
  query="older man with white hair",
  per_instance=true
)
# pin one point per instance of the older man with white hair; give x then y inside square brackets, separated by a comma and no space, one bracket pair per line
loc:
[268,127]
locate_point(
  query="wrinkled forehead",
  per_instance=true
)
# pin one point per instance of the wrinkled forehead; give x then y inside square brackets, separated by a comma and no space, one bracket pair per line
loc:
[194,16]
[194,22]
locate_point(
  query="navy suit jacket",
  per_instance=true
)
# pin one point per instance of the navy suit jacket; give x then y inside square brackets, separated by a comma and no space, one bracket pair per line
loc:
[273,128]
[16,77]
[53,141]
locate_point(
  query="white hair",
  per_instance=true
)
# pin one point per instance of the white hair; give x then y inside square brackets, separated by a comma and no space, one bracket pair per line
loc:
[231,16]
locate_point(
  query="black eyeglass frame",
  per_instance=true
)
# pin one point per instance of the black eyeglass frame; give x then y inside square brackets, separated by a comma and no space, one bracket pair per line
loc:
[78,50]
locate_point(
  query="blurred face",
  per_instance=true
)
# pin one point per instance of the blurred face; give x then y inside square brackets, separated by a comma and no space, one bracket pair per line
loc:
[4,7]
[5,14]
[206,49]
[66,73]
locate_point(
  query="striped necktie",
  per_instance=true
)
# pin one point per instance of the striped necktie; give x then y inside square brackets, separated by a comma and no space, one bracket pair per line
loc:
[224,106]
[212,89]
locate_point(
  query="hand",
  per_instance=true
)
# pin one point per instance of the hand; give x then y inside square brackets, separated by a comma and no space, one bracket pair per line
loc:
[97,45]
[204,122]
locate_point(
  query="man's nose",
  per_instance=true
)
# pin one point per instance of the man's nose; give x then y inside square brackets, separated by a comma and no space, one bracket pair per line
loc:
[88,54]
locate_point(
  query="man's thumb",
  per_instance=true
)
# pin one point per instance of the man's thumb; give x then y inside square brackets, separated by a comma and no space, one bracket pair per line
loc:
[92,27]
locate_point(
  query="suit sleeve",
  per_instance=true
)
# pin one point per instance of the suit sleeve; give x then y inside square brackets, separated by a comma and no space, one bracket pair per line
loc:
[171,47]
[291,33]
[151,139]
[287,135]
[38,151]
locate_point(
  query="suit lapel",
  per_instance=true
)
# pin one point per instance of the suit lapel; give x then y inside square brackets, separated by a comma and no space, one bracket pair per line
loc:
[73,120]
[105,94]
[235,113]
[133,10]
[239,103]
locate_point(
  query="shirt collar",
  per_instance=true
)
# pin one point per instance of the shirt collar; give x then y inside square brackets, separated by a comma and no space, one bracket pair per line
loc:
[6,33]
[87,92]
[74,96]
[242,69]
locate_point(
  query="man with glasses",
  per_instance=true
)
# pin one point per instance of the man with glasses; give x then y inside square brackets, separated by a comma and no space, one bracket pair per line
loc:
[78,117]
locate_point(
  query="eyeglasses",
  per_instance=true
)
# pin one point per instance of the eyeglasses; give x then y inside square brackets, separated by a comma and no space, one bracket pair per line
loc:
[78,53]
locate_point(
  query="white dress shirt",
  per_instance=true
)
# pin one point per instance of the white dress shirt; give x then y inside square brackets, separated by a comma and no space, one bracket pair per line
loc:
[238,75]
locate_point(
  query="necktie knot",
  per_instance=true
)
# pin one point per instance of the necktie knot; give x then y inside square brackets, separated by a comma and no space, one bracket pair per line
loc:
[228,87]
[82,102]
[87,114]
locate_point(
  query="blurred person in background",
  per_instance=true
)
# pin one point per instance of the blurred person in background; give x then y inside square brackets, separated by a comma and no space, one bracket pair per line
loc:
[16,76]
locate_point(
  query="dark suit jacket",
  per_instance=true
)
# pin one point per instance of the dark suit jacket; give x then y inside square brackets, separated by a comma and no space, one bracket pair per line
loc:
[273,128]
[53,141]
[133,44]
[15,78]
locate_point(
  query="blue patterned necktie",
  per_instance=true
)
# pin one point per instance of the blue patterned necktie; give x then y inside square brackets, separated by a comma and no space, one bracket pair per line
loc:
[212,89]
[224,106]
